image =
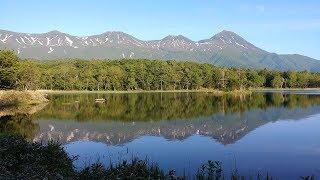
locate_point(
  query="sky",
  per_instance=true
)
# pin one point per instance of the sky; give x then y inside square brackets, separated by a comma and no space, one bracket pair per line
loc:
[280,26]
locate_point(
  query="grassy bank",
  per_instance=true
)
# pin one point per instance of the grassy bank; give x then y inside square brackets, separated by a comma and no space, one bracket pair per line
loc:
[288,88]
[21,159]
[17,98]
[211,91]
[284,89]
[214,91]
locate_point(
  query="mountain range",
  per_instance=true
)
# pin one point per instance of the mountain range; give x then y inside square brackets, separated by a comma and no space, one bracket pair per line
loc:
[223,49]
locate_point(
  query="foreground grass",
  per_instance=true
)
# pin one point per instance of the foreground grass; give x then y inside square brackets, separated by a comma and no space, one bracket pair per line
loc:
[16,98]
[21,159]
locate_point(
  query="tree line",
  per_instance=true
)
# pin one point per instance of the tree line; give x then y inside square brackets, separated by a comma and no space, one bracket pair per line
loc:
[77,74]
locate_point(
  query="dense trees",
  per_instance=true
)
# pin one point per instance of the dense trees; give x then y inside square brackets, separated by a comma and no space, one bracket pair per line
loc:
[140,75]
[8,69]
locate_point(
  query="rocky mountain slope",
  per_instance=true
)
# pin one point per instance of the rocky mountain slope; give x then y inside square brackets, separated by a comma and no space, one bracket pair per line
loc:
[224,49]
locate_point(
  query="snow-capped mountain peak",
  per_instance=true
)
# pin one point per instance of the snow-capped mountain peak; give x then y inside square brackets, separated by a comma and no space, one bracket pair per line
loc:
[225,48]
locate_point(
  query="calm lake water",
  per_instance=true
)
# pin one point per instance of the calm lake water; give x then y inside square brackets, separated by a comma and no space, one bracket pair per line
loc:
[265,132]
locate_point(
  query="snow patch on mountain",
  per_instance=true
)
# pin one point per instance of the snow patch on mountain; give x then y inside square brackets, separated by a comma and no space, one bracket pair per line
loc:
[50,50]
[122,41]
[5,38]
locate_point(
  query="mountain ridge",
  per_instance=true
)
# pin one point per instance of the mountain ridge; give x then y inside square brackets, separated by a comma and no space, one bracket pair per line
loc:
[225,48]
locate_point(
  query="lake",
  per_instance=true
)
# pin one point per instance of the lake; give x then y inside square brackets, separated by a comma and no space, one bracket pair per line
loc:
[274,133]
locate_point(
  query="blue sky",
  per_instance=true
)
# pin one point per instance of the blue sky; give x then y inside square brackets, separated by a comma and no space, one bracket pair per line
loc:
[281,26]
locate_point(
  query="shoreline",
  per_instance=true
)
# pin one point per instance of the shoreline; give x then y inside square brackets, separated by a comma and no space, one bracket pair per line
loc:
[34,97]
[129,91]
[288,90]
[214,92]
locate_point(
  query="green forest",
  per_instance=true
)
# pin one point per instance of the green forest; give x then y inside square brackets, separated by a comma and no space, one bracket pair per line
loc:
[140,74]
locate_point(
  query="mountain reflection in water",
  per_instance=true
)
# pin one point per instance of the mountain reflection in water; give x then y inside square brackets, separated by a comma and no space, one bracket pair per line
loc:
[174,116]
